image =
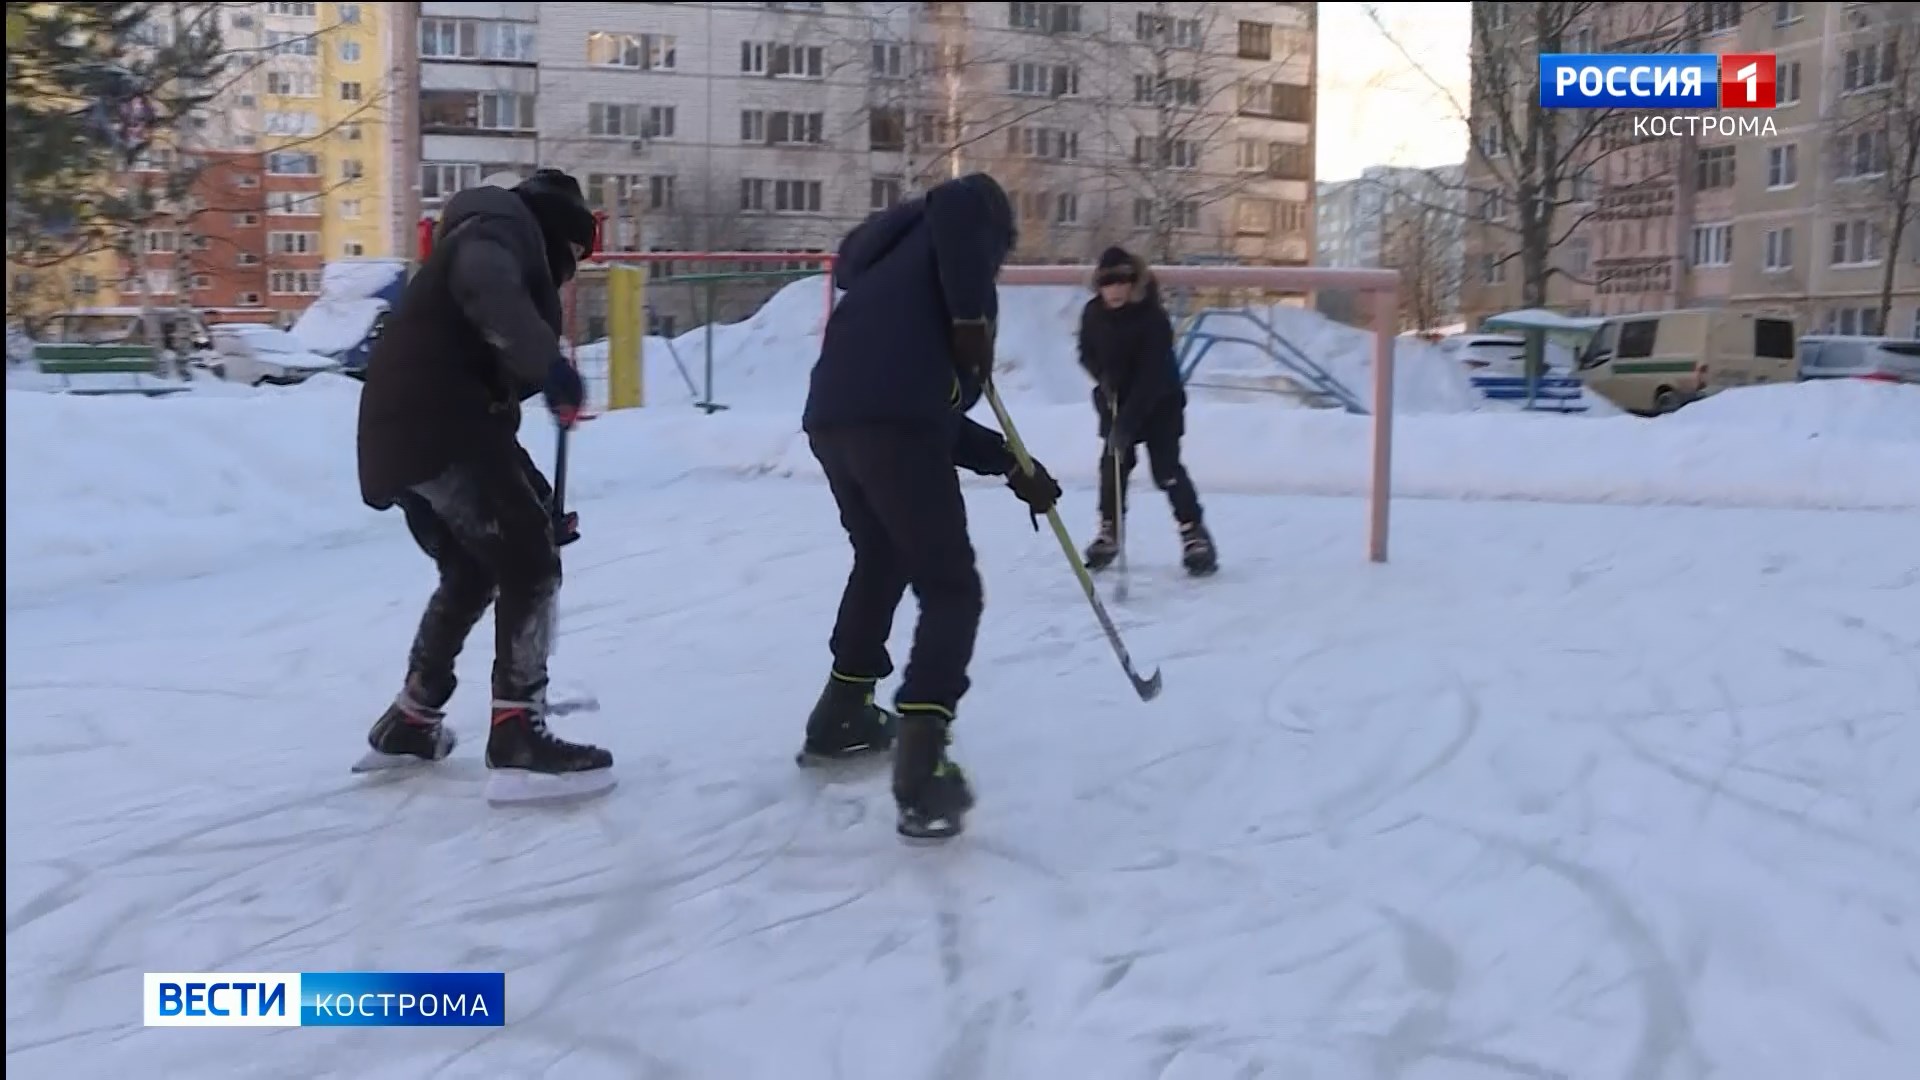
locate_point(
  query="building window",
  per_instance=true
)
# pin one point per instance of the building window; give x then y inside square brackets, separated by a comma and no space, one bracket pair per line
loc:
[1148,90]
[1052,144]
[469,110]
[883,192]
[1493,205]
[886,129]
[1787,77]
[887,61]
[1183,215]
[1863,155]
[640,52]
[1253,217]
[1851,321]
[1718,17]
[293,84]
[1867,67]
[1712,245]
[350,14]
[1185,33]
[293,203]
[349,52]
[1256,40]
[1786,14]
[294,11]
[1783,166]
[475,39]
[1713,168]
[161,241]
[1779,253]
[1493,271]
[350,131]
[293,282]
[352,169]
[1043,80]
[1276,101]
[290,43]
[349,91]
[353,249]
[781,128]
[1046,18]
[1166,153]
[438,180]
[1855,243]
[779,61]
[350,209]
[608,120]
[660,193]
[1066,208]
[292,124]
[293,243]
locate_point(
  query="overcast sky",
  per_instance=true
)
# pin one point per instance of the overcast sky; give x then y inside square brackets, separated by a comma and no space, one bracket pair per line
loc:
[1375,107]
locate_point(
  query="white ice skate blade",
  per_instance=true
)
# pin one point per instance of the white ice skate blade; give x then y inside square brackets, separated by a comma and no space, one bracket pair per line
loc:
[571,705]
[520,787]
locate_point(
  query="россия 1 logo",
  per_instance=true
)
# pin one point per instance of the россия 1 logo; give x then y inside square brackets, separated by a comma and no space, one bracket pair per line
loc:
[1665,82]
[1685,81]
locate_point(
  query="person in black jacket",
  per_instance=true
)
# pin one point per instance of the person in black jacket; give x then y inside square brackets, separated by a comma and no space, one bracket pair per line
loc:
[1126,344]
[907,351]
[475,334]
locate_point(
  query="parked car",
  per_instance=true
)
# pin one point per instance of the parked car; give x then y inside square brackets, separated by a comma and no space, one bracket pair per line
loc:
[1491,354]
[264,356]
[1887,359]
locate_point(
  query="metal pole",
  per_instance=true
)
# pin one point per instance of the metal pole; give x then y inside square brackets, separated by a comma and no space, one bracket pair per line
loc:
[1386,306]
[708,404]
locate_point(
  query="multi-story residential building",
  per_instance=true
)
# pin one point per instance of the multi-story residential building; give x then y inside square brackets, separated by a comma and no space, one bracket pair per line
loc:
[1406,218]
[290,166]
[1797,220]
[1184,129]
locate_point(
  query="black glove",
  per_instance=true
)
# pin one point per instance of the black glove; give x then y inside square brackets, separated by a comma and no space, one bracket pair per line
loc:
[564,391]
[1038,489]
[973,350]
[566,529]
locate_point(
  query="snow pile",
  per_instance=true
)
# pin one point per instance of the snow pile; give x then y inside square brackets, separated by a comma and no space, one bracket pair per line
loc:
[763,361]
[349,302]
[104,486]
[1823,408]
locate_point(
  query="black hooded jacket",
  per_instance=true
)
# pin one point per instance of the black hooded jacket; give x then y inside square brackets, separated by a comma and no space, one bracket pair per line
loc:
[909,273]
[471,338]
[1129,352]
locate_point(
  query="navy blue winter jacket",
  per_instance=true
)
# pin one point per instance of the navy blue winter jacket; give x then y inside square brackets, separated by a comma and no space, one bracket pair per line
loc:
[909,273]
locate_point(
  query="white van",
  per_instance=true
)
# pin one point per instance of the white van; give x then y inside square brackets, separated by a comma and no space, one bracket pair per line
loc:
[1656,362]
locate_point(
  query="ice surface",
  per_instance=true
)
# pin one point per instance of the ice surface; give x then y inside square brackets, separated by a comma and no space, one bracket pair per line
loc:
[1607,791]
[1562,791]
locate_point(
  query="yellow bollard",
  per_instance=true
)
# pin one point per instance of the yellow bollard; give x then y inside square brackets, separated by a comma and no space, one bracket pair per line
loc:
[626,337]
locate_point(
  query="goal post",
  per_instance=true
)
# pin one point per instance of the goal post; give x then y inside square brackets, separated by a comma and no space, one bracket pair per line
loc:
[1380,287]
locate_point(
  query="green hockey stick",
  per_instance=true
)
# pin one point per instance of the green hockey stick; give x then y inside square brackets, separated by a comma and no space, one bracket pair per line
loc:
[1148,688]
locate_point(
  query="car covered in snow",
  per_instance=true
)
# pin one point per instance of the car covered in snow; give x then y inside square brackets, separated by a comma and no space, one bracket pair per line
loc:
[1886,359]
[263,356]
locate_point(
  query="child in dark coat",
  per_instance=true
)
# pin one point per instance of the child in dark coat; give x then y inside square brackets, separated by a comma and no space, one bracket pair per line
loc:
[1126,344]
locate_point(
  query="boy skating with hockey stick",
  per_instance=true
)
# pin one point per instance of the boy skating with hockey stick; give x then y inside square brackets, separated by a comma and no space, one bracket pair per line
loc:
[475,334]
[906,353]
[1126,344]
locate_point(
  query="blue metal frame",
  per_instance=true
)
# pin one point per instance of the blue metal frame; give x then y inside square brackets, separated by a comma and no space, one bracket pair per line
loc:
[1549,393]
[1196,342]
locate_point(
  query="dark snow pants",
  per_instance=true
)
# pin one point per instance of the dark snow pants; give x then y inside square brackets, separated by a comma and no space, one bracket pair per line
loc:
[900,502]
[486,525]
[1162,437]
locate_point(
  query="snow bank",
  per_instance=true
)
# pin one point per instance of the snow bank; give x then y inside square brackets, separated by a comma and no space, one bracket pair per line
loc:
[1823,408]
[763,361]
[103,487]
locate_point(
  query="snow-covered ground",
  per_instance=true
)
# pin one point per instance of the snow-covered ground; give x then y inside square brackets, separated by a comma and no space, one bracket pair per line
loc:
[1588,791]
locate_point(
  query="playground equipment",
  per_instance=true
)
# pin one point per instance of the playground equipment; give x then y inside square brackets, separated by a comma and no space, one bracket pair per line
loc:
[1304,379]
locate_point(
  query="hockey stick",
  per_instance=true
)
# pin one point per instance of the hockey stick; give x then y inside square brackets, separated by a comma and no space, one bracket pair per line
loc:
[1148,688]
[587,702]
[1119,523]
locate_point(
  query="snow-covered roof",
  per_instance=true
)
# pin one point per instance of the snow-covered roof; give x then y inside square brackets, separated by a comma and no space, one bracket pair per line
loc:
[1541,319]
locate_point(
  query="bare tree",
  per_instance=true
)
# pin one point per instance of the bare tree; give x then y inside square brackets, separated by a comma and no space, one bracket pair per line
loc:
[1531,170]
[1873,142]
[1420,237]
[1172,131]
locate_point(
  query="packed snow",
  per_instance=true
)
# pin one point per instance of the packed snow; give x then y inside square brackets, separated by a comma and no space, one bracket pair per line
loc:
[1625,789]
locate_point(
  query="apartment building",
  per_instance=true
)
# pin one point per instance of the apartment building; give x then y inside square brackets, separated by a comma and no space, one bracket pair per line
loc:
[1796,221]
[289,168]
[1182,128]
[1412,220]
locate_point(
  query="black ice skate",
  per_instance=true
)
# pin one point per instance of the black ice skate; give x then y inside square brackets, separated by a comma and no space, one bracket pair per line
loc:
[530,764]
[407,735]
[1196,550]
[929,787]
[845,723]
[1105,547]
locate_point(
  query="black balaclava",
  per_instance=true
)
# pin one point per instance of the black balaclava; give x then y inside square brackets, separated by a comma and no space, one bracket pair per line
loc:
[560,208]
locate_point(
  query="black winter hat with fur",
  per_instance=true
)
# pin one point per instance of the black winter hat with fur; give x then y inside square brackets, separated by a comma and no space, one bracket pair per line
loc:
[1116,267]
[560,208]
